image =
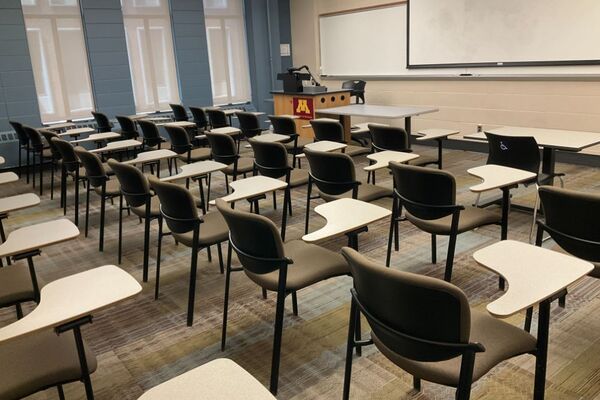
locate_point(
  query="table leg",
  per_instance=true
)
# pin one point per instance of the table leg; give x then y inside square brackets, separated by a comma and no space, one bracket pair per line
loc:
[408,129]
[439,153]
[505,203]
[347,125]
[549,162]
[541,358]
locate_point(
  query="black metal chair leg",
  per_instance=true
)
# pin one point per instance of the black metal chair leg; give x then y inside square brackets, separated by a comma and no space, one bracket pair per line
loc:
[295,303]
[450,258]
[146,241]
[76,196]
[278,331]
[433,249]
[160,235]
[87,382]
[417,383]
[226,298]
[87,209]
[349,351]
[220,257]
[358,333]
[120,240]
[19,310]
[528,318]
[102,214]
[61,393]
[193,271]
[307,206]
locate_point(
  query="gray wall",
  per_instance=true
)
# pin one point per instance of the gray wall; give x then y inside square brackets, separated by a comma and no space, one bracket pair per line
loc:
[107,56]
[18,99]
[191,52]
[109,65]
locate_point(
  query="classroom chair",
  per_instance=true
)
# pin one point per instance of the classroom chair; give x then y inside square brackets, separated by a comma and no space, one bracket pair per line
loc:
[429,197]
[23,145]
[274,265]
[284,125]
[454,345]
[102,122]
[357,90]
[328,129]
[39,149]
[224,150]
[127,129]
[334,175]
[179,112]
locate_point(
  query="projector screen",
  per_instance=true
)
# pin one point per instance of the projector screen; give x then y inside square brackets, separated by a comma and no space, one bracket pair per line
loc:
[498,33]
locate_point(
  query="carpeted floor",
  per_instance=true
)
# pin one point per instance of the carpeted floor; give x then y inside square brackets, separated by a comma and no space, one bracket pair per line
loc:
[142,342]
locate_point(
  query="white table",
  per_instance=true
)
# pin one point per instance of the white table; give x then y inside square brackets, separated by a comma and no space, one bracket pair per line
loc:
[383,158]
[271,138]
[118,145]
[77,131]
[535,276]
[346,216]
[439,135]
[549,139]
[252,187]
[152,157]
[181,124]
[27,242]
[58,127]
[18,202]
[68,303]
[499,177]
[220,379]
[15,203]
[227,130]
[323,145]
[196,169]
[98,137]
[375,111]
[8,177]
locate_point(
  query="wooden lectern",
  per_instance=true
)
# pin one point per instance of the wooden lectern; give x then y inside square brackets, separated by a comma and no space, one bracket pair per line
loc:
[304,105]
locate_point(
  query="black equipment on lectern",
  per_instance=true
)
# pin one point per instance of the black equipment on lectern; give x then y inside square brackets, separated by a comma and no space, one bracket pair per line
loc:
[292,80]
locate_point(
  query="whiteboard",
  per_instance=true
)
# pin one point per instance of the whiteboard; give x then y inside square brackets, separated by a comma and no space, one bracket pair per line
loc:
[372,43]
[503,32]
[368,42]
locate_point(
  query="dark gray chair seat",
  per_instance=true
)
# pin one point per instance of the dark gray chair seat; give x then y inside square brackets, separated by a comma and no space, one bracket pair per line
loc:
[500,339]
[38,361]
[113,188]
[302,141]
[199,154]
[212,230]
[470,218]
[244,165]
[366,192]
[423,160]
[16,285]
[298,177]
[354,151]
[312,264]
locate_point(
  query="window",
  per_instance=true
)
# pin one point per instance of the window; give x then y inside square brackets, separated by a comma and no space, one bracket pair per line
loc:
[227,51]
[151,56]
[59,59]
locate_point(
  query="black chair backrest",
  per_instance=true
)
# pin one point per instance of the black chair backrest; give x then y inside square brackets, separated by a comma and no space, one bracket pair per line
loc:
[128,129]
[18,127]
[222,148]
[150,132]
[35,139]
[217,118]
[332,173]
[418,317]
[134,184]
[177,206]
[283,125]
[326,129]
[180,140]
[200,118]
[249,124]
[270,159]
[257,256]
[49,135]
[425,193]
[520,152]
[67,153]
[388,138]
[179,112]
[102,122]
[94,170]
[573,218]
